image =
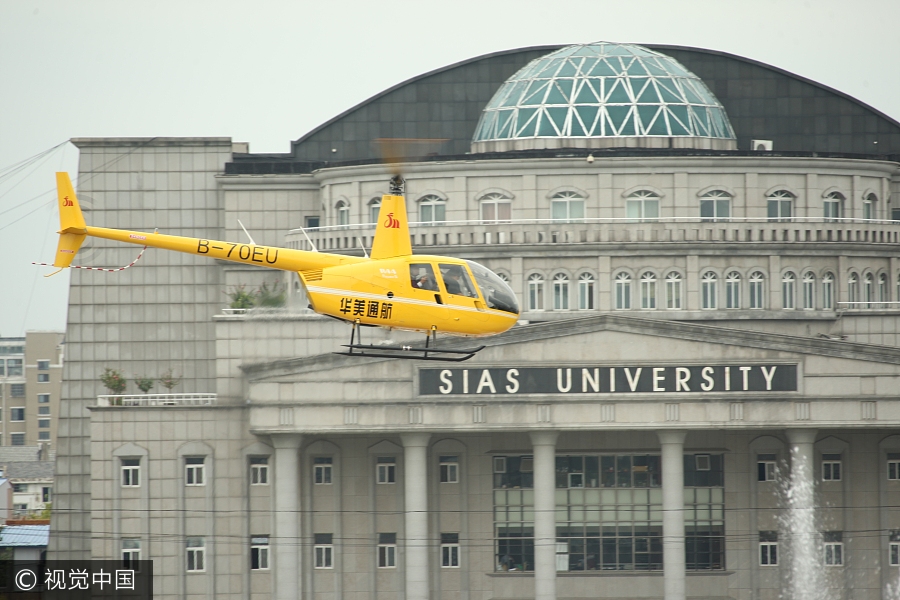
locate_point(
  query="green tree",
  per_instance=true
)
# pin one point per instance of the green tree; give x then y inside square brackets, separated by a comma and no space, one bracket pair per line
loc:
[145,384]
[168,380]
[271,298]
[240,298]
[113,381]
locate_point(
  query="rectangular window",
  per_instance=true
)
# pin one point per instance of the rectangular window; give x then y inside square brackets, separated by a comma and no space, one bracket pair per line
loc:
[449,467]
[46,494]
[17,413]
[43,377]
[323,551]
[131,472]
[387,470]
[43,398]
[17,390]
[831,467]
[834,548]
[43,410]
[196,554]
[43,435]
[20,488]
[766,467]
[894,548]
[312,222]
[259,553]
[43,365]
[193,471]
[450,550]
[586,293]
[387,550]
[768,548]
[893,466]
[44,423]
[17,439]
[259,470]
[14,367]
[322,470]
[131,552]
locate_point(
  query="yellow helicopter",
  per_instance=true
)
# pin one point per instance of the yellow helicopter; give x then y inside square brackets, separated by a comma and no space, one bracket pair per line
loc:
[390,288]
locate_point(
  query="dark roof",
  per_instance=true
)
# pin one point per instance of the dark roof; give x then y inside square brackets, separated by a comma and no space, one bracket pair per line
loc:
[762,101]
[27,470]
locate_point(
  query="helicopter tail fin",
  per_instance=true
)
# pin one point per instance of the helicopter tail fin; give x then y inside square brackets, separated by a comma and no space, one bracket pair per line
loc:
[72,228]
[392,231]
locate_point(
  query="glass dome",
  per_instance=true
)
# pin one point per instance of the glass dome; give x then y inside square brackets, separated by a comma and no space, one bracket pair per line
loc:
[603,95]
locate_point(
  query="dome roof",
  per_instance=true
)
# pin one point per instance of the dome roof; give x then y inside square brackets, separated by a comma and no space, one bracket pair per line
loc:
[603,95]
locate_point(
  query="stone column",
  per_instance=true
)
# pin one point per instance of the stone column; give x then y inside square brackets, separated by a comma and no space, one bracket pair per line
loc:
[672,443]
[287,516]
[415,489]
[544,443]
[804,558]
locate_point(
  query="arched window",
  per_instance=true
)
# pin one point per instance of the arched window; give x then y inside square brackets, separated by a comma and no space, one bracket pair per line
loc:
[623,291]
[809,291]
[432,209]
[708,292]
[834,203]
[648,290]
[869,206]
[869,290]
[788,291]
[780,205]
[828,291]
[343,213]
[757,282]
[642,205]
[566,206]
[733,290]
[503,276]
[561,292]
[585,291]
[536,292]
[495,208]
[853,288]
[883,293]
[673,291]
[715,205]
[374,208]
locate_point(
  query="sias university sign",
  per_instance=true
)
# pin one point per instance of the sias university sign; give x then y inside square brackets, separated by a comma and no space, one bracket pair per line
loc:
[511,381]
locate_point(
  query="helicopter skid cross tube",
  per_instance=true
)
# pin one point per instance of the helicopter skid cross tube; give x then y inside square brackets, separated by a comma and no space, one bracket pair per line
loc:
[399,351]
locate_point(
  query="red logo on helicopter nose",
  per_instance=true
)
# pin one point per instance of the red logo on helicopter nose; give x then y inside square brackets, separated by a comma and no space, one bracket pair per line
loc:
[67,202]
[391,222]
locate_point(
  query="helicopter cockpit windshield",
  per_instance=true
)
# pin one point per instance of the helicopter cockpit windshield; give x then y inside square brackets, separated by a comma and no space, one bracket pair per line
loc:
[496,292]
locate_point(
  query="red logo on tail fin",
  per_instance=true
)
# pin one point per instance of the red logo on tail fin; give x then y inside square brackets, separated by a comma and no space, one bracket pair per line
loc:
[67,202]
[391,222]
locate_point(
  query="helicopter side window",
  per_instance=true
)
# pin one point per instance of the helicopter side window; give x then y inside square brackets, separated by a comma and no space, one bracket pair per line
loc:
[421,277]
[457,281]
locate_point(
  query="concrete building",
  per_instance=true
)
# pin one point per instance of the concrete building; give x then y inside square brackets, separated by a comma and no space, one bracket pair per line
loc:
[705,250]
[30,385]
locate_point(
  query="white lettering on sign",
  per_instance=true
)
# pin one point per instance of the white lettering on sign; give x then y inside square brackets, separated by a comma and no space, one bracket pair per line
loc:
[513,386]
[559,384]
[486,381]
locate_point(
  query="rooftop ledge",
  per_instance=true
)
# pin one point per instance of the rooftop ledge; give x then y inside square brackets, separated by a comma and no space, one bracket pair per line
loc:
[157,400]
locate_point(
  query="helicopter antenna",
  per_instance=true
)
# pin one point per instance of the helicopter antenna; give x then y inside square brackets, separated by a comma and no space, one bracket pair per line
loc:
[313,246]
[245,231]
[361,245]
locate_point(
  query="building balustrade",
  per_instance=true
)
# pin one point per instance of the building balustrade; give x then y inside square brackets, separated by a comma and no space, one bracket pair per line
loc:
[201,399]
[610,230]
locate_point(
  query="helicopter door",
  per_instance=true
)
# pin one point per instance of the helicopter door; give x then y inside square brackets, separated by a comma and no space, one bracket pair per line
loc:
[462,292]
[425,289]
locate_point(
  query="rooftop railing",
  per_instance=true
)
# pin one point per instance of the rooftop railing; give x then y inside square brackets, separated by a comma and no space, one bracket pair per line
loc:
[610,230]
[156,400]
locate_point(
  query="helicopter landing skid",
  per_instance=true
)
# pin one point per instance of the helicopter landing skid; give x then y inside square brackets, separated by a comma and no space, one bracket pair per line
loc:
[408,352]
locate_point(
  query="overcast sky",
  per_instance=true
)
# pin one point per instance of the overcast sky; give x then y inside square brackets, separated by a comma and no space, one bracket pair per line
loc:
[266,72]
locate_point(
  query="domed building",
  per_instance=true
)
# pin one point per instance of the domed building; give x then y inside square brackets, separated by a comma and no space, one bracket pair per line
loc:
[705,251]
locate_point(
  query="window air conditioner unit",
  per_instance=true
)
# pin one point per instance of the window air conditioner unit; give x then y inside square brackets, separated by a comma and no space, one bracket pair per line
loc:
[761,145]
